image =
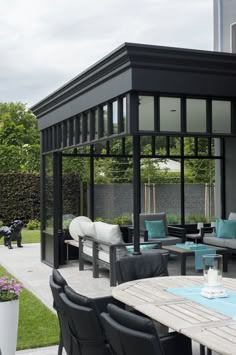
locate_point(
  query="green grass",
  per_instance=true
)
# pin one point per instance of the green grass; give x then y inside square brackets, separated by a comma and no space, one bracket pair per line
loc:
[38,326]
[28,236]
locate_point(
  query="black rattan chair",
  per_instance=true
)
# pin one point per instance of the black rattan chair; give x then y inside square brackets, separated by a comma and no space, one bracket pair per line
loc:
[130,334]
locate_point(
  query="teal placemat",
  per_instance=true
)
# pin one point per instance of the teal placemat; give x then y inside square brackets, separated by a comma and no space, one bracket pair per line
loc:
[199,251]
[226,306]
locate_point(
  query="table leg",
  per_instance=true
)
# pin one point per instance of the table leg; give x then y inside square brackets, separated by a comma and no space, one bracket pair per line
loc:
[183,264]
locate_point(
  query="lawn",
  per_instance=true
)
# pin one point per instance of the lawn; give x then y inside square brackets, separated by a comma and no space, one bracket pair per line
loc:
[38,326]
[28,236]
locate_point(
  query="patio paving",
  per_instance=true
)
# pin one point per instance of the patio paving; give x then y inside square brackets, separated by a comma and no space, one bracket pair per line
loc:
[24,263]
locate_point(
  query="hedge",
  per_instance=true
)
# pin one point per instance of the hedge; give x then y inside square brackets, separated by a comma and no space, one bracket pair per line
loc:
[20,196]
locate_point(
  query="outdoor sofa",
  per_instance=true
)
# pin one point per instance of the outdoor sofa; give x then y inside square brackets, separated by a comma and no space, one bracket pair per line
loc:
[170,234]
[102,244]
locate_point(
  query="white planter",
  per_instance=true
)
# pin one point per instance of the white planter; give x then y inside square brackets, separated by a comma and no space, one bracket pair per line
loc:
[9,314]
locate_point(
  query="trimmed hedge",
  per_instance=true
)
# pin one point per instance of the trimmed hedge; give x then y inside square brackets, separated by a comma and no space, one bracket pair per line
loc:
[20,196]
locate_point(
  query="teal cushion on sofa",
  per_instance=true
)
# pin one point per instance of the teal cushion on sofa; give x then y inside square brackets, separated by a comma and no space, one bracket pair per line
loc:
[226,229]
[156,229]
[130,248]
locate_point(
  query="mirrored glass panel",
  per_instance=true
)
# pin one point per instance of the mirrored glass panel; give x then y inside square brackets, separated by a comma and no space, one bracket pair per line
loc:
[221,116]
[170,114]
[146,113]
[196,115]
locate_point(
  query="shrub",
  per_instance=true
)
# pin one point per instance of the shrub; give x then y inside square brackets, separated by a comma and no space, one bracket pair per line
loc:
[122,220]
[33,224]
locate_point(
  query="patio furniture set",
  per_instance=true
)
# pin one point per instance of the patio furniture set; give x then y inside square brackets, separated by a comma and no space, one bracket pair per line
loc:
[102,244]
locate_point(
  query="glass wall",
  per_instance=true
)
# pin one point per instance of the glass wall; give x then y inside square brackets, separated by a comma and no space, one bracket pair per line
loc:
[48,194]
[170,114]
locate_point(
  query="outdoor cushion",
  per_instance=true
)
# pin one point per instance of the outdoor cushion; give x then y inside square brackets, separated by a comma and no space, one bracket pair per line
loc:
[75,227]
[88,228]
[109,233]
[226,228]
[156,229]
[153,217]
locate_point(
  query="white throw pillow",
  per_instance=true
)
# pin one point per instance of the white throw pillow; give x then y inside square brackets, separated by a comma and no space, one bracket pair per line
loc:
[75,226]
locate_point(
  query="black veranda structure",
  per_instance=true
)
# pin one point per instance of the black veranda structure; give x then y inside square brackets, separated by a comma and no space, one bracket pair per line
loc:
[138,91]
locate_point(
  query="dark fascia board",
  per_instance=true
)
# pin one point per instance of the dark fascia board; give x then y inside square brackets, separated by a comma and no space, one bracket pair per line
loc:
[138,56]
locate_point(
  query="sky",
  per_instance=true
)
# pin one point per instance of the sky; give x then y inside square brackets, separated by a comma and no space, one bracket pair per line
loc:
[45,43]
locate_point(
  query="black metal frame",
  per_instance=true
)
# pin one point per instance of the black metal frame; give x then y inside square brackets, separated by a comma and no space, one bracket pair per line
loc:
[67,117]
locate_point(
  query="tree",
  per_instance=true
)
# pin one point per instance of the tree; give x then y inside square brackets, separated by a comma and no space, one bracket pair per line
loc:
[19,139]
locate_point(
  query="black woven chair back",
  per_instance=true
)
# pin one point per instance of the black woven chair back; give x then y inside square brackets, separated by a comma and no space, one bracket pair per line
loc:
[130,334]
[85,328]
[66,340]
[145,265]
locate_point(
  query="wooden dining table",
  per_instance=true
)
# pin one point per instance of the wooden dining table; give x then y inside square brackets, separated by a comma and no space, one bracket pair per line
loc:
[214,330]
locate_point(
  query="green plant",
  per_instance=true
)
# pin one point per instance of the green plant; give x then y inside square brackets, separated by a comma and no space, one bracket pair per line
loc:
[33,224]
[173,218]
[195,218]
[101,219]
[122,220]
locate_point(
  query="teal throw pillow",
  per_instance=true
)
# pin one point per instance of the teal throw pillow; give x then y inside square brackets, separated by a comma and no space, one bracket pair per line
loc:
[156,229]
[226,229]
[130,248]
[215,233]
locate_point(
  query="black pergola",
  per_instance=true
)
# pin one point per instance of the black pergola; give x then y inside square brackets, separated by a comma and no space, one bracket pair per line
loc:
[135,91]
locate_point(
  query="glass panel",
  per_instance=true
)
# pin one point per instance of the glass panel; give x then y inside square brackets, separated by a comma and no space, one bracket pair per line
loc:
[189,146]
[221,116]
[199,190]
[175,145]
[124,115]
[160,145]
[49,193]
[170,114]
[116,146]
[196,115]
[160,189]
[105,121]
[115,117]
[146,113]
[96,124]
[146,145]
[113,181]
[203,146]
[75,172]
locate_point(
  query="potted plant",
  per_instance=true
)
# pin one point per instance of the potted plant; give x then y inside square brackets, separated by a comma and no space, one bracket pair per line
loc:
[10,290]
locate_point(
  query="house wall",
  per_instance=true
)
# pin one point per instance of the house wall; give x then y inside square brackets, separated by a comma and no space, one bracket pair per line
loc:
[224,16]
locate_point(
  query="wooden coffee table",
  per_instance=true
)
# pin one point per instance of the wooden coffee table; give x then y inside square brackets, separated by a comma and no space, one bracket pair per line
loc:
[184,253]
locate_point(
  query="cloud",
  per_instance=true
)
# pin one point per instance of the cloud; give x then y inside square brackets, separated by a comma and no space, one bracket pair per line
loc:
[45,43]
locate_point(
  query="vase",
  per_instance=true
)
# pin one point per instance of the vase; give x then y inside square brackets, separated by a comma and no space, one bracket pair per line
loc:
[9,315]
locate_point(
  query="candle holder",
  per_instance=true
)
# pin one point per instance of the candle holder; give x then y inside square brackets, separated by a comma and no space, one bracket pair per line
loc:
[212,272]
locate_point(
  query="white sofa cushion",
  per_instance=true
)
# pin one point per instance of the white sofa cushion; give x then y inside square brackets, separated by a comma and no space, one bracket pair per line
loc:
[75,226]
